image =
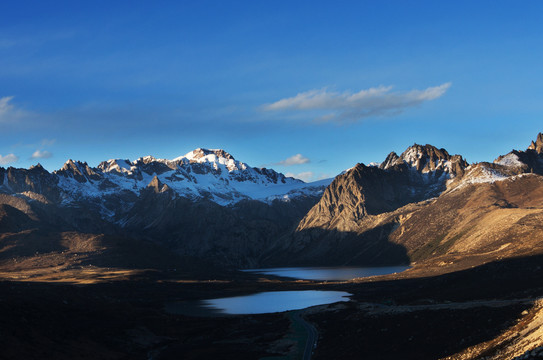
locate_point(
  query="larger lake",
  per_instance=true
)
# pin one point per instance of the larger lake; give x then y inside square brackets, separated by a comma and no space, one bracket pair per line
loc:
[275,301]
[259,303]
[329,273]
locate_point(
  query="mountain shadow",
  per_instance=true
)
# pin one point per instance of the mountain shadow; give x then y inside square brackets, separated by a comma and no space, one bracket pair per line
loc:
[235,236]
[324,247]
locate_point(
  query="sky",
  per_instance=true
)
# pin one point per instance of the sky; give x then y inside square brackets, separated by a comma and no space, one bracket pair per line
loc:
[308,88]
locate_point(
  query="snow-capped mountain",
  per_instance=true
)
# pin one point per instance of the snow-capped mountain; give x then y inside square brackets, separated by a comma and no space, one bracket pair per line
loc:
[202,173]
[205,203]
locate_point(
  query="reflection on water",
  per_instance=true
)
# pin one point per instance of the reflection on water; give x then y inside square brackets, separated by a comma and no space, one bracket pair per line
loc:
[275,301]
[330,273]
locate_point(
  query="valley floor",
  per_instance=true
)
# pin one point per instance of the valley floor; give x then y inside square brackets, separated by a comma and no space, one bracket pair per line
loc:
[471,310]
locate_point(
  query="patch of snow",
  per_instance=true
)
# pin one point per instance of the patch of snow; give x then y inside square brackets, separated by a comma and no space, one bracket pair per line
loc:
[487,176]
[480,174]
[510,160]
[346,170]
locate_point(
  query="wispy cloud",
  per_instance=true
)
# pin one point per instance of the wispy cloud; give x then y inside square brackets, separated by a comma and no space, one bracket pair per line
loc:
[349,107]
[294,160]
[5,107]
[48,142]
[305,176]
[8,112]
[41,154]
[8,159]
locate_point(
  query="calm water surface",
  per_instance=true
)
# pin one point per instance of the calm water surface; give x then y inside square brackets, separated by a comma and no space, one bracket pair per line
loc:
[274,301]
[278,301]
[329,273]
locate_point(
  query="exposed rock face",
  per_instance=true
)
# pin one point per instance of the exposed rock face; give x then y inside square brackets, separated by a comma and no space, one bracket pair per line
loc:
[421,172]
[80,171]
[422,204]
[36,180]
[538,144]
[157,186]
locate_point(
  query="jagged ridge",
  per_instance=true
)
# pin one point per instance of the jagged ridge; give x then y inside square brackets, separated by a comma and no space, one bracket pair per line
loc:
[408,208]
[202,173]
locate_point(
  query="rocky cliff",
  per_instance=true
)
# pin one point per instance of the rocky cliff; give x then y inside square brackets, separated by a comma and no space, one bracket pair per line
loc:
[422,205]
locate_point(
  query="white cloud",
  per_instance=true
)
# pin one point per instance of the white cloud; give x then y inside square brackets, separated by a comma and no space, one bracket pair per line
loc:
[305,176]
[349,106]
[294,160]
[8,159]
[41,154]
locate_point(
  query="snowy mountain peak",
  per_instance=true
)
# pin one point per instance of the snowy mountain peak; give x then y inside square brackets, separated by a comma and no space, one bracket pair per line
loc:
[201,155]
[211,174]
[206,154]
[214,158]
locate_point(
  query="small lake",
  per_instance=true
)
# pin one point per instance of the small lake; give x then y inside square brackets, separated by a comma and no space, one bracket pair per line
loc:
[259,303]
[329,273]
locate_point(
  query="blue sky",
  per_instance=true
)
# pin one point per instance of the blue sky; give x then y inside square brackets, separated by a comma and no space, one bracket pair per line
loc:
[323,84]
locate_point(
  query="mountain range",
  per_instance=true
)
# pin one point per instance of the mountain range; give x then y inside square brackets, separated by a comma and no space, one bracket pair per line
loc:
[422,205]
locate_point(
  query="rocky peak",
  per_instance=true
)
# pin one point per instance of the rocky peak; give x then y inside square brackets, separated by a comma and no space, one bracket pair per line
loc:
[157,186]
[69,165]
[425,159]
[538,144]
[38,168]
[78,170]
[116,166]
[418,156]
[391,160]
